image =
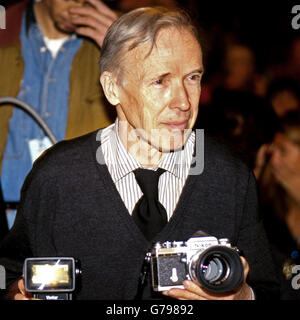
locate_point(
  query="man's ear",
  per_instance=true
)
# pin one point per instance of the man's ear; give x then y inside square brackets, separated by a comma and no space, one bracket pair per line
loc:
[110,87]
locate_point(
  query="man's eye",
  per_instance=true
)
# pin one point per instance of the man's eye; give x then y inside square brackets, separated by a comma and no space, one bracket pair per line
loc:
[195,77]
[158,82]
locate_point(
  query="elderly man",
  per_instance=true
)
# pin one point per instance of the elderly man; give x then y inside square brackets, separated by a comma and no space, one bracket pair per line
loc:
[105,197]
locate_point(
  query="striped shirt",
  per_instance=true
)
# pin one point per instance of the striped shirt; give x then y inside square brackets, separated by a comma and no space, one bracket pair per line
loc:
[121,165]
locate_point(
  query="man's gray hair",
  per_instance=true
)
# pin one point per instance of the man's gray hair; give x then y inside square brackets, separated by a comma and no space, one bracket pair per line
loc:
[135,28]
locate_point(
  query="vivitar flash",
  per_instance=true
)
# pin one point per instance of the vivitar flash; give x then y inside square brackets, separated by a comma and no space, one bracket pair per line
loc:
[213,263]
[51,278]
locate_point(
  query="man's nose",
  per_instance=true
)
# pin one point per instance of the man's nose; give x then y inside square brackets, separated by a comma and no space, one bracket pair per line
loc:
[180,98]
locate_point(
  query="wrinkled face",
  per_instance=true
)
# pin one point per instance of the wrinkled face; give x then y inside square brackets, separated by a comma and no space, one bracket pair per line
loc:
[59,12]
[160,93]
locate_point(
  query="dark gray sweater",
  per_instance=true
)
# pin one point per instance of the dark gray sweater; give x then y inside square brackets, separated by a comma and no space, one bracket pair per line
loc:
[70,207]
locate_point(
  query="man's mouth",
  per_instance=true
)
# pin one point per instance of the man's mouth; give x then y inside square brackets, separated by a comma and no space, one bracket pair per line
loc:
[69,26]
[66,24]
[180,125]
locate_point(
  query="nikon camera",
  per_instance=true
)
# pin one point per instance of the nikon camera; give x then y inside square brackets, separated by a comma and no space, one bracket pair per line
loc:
[210,262]
[51,278]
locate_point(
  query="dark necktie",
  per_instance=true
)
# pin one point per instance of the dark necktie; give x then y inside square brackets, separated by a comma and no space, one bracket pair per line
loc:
[149,214]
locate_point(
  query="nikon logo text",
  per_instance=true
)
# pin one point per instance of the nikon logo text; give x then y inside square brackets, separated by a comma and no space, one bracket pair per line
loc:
[2,18]
[2,278]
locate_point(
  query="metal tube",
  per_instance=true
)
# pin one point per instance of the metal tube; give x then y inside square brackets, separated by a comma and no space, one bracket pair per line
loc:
[32,112]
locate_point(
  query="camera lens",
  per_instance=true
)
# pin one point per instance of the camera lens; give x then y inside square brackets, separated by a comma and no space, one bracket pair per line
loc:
[214,269]
[218,269]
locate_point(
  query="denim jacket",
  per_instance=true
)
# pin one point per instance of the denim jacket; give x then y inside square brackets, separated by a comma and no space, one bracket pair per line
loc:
[70,99]
[45,86]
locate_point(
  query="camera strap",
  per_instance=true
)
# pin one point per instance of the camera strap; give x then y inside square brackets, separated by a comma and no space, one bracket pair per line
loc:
[143,278]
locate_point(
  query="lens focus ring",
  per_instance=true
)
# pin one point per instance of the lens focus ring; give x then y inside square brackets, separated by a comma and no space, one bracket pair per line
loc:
[218,269]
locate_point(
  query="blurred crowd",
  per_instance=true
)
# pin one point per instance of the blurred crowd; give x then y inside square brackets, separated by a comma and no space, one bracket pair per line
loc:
[255,108]
[251,101]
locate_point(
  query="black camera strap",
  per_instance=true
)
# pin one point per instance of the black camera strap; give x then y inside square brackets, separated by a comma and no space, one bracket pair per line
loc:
[144,277]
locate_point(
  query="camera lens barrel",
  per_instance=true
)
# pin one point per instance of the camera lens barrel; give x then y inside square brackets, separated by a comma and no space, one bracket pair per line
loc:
[218,269]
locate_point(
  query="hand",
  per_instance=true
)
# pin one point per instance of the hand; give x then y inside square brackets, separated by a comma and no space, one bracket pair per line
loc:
[288,175]
[17,291]
[192,291]
[261,159]
[94,20]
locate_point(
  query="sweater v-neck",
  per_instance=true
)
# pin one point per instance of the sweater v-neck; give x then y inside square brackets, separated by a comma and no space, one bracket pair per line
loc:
[124,216]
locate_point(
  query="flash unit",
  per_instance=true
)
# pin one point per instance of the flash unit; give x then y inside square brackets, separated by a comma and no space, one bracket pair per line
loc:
[50,278]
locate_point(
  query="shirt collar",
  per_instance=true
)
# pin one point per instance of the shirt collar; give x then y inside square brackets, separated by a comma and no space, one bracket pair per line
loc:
[177,162]
[125,162]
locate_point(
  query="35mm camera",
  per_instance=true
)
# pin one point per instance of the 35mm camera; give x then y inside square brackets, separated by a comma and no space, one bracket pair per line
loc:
[212,263]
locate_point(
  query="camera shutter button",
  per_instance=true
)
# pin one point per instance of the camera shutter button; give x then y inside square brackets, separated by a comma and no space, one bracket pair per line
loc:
[224,241]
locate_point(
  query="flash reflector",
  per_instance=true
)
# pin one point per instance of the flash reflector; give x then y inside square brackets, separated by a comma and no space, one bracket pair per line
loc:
[49,274]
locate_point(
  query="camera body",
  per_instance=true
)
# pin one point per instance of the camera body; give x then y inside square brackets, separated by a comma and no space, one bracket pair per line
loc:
[210,262]
[51,278]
